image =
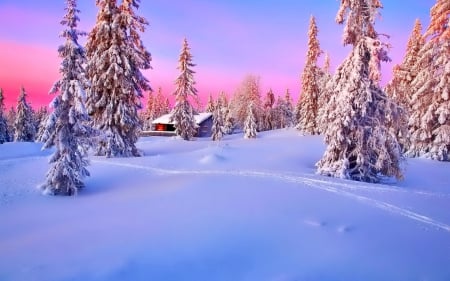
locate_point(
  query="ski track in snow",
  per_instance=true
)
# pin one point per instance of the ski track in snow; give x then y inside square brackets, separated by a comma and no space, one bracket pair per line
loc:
[337,188]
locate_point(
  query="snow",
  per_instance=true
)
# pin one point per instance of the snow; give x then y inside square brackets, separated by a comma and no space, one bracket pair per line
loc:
[199,118]
[228,210]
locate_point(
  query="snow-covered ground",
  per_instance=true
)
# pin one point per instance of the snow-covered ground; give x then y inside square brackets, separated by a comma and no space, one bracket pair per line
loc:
[231,210]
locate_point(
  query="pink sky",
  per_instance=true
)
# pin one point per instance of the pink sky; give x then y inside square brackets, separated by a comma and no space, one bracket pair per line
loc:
[228,40]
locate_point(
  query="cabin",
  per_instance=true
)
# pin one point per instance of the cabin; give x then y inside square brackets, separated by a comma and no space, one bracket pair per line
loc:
[162,126]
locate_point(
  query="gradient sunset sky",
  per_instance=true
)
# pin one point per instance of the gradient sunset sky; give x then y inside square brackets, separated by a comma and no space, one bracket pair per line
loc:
[229,39]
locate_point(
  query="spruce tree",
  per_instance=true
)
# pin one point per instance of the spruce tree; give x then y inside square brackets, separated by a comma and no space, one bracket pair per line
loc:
[66,129]
[115,57]
[4,134]
[183,113]
[217,127]
[308,101]
[149,113]
[24,127]
[247,92]
[429,123]
[400,86]
[250,125]
[210,104]
[10,120]
[360,144]
[268,111]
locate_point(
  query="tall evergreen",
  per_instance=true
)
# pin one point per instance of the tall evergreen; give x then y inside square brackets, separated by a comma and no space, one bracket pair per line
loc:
[248,92]
[183,113]
[66,129]
[430,104]
[400,87]
[360,144]
[10,120]
[308,109]
[268,111]
[115,57]
[24,127]
[4,134]
[217,129]
[250,125]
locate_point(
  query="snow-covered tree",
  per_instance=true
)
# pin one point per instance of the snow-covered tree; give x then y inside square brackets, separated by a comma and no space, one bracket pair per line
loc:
[325,78]
[116,56]
[149,114]
[400,88]
[66,127]
[10,120]
[284,111]
[40,119]
[210,104]
[429,122]
[250,125]
[308,101]
[183,113]
[360,144]
[218,123]
[268,111]
[24,128]
[247,92]
[4,134]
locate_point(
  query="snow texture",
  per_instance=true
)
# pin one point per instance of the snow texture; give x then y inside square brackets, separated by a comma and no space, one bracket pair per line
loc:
[207,210]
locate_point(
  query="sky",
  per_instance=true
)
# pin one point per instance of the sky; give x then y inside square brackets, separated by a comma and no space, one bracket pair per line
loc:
[229,39]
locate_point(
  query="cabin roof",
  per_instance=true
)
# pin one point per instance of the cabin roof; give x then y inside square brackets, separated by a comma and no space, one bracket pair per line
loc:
[199,118]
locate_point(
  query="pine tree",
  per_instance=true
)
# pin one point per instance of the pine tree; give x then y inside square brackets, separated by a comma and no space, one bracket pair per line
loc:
[250,126]
[400,86]
[325,78]
[248,92]
[268,111]
[360,145]
[183,113]
[66,129]
[429,123]
[210,104]
[217,127]
[10,120]
[4,134]
[284,111]
[308,101]
[115,57]
[24,129]
[149,113]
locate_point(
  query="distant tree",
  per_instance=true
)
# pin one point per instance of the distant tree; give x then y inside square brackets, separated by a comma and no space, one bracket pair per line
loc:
[183,113]
[24,127]
[284,111]
[429,122]
[218,123]
[66,129]
[250,126]
[149,114]
[10,120]
[210,104]
[4,134]
[400,87]
[116,56]
[247,92]
[40,118]
[268,111]
[309,98]
[323,99]
[360,145]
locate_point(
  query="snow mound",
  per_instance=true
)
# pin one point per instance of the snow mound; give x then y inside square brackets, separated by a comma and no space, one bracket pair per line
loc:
[213,158]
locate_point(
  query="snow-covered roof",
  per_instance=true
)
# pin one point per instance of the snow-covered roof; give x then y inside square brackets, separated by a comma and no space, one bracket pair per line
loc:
[199,118]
